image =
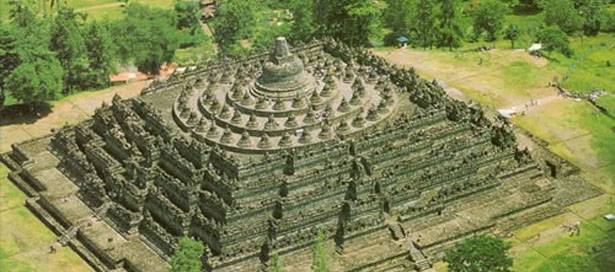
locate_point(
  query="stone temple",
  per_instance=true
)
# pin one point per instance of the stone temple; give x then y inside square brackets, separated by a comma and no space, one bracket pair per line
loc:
[255,156]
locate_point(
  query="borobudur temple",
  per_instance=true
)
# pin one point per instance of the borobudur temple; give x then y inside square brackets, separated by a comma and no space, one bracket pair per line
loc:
[254,156]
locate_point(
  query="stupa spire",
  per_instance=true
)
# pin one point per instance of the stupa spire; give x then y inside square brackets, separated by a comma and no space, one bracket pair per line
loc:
[281,50]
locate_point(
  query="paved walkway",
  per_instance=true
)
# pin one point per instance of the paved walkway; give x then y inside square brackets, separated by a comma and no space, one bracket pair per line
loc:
[69,110]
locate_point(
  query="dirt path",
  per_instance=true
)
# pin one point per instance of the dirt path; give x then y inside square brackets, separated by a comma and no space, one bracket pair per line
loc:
[69,110]
[209,31]
[109,5]
[530,105]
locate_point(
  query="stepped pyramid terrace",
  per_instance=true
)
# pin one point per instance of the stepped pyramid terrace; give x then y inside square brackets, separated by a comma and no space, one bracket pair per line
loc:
[254,156]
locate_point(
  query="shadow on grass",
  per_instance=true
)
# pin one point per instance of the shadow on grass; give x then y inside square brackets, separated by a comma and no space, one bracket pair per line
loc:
[603,255]
[23,113]
[597,259]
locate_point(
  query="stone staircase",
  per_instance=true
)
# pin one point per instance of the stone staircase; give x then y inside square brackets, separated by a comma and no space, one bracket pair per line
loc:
[420,260]
[71,233]
[396,230]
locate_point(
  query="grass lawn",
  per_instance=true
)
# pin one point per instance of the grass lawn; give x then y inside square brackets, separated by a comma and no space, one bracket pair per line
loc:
[522,75]
[77,4]
[112,9]
[192,55]
[588,68]
[95,9]
[25,240]
[527,26]
[104,13]
[579,133]
[608,102]
[585,71]
[591,251]
[156,3]
[4,10]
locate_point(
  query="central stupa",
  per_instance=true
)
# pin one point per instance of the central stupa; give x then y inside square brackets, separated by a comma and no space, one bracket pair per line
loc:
[283,102]
[284,75]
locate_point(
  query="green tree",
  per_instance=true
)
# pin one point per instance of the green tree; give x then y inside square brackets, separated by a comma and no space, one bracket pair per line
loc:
[28,69]
[48,7]
[319,258]
[303,25]
[262,38]
[364,17]
[21,14]
[101,54]
[449,31]
[609,25]
[594,13]
[35,82]
[188,17]
[398,16]
[523,6]
[9,59]
[488,18]
[330,16]
[554,39]
[351,21]
[187,257]
[235,22]
[528,6]
[276,264]
[148,36]
[188,13]
[481,253]
[425,23]
[512,34]
[68,42]
[563,14]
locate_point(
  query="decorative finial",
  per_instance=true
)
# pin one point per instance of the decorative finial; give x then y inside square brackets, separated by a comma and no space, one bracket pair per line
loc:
[281,48]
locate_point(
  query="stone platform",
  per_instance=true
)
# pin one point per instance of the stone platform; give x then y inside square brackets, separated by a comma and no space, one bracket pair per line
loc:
[254,156]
